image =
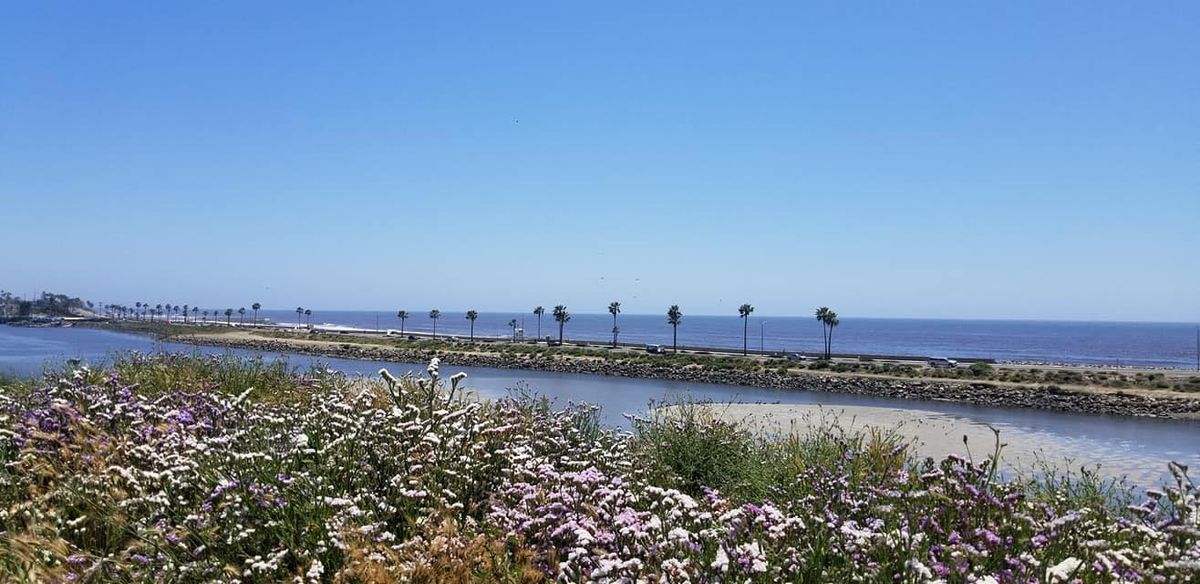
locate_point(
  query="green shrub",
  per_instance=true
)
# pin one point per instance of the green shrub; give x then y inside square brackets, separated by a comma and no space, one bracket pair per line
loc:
[688,447]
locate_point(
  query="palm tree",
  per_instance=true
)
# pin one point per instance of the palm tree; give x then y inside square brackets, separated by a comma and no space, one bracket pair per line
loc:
[157,310]
[744,312]
[228,315]
[539,311]
[195,309]
[614,308]
[512,324]
[403,316]
[206,316]
[139,308]
[255,308]
[435,314]
[674,317]
[822,314]
[833,322]
[561,316]
[829,319]
[185,311]
[242,315]
[299,313]
[471,316]
[308,316]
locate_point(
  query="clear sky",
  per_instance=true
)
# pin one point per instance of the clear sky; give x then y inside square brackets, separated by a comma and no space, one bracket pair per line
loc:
[931,159]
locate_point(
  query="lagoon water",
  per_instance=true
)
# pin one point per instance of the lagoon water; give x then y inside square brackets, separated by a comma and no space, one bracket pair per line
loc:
[1136,447]
[1098,343]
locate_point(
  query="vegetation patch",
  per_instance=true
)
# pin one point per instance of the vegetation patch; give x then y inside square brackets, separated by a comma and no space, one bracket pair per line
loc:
[194,469]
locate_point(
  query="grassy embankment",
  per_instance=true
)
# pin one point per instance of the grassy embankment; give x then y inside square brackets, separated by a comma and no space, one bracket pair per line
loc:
[1049,376]
[1045,377]
[200,469]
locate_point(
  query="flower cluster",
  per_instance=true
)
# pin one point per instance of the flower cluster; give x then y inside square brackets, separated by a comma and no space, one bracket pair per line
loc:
[202,477]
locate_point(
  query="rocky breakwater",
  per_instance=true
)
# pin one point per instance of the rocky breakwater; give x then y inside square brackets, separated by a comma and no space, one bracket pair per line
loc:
[1044,397]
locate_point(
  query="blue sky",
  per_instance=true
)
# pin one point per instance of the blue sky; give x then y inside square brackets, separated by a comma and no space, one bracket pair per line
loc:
[998,160]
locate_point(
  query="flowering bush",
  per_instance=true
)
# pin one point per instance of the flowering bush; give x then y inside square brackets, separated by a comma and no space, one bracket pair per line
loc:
[187,469]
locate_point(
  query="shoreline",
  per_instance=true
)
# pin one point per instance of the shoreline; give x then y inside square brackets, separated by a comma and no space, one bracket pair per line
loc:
[1135,402]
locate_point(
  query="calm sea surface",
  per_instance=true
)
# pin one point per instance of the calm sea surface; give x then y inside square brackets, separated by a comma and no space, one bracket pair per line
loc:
[1136,447]
[1100,343]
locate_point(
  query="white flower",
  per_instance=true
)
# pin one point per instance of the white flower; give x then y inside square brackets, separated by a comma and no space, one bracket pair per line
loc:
[1063,570]
[242,397]
[752,552]
[679,534]
[315,570]
[300,440]
[387,376]
[722,561]
[924,571]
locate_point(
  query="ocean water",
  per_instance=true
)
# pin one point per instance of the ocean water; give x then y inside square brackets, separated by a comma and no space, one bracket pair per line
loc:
[1096,343]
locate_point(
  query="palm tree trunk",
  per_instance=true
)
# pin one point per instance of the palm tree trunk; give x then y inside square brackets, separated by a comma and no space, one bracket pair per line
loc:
[745,331]
[560,333]
[828,330]
[675,337]
[824,339]
[472,331]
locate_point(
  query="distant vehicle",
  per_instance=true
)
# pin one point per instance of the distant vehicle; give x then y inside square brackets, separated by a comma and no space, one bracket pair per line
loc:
[942,363]
[797,357]
[553,343]
[412,337]
[655,349]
